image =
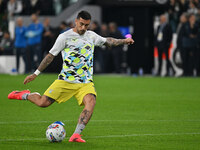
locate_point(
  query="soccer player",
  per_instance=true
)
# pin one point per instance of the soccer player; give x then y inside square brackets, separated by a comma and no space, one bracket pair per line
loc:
[75,78]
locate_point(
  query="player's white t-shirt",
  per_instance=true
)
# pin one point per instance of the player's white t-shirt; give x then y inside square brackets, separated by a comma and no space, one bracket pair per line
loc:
[77,52]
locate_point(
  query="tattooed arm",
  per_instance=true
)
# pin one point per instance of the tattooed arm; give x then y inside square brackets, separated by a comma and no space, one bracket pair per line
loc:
[116,42]
[45,62]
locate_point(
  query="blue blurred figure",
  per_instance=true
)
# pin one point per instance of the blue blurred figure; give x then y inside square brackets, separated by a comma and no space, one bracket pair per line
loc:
[20,43]
[34,34]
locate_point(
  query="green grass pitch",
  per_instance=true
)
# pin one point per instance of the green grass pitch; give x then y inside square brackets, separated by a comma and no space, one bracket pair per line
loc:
[131,113]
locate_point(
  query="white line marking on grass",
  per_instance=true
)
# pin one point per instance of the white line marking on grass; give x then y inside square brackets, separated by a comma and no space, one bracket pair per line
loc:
[47,121]
[17,140]
[148,134]
[106,136]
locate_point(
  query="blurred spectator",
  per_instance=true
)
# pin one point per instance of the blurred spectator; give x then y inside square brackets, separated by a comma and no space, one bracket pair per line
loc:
[198,13]
[179,42]
[190,42]
[175,10]
[26,7]
[47,37]
[14,7]
[104,30]
[63,27]
[71,24]
[35,6]
[4,22]
[3,5]
[6,44]
[116,52]
[57,6]
[183,5]
[104,33]
[196,2]
[183,20]
[34,34]
[98,55]
[31,6]
[20,43]
[95,27]
[163,41]
[192,8]
[44,7]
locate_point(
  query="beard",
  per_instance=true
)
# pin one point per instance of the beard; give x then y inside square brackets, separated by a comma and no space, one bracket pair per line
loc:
[81,32]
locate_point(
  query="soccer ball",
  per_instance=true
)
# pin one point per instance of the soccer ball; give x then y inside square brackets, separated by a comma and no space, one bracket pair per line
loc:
[56,132]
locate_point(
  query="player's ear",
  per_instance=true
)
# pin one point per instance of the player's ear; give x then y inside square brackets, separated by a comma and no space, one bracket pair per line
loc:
[76,21]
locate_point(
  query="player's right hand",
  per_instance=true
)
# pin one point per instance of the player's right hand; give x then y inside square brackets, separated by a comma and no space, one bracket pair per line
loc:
[30,78]
[129,41]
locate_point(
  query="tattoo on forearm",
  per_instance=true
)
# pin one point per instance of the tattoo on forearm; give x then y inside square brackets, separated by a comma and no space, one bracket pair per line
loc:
[114,42]
[85,117]
[46,61]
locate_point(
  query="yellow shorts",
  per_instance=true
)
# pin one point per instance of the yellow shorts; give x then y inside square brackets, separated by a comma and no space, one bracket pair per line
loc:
[61,91]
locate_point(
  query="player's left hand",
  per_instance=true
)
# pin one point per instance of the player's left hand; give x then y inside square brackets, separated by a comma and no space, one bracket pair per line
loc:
[129,41]
[30,78]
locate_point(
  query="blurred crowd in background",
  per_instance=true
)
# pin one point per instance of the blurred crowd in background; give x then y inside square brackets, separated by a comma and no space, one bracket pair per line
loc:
[28,7]
[34,41]
[184,20]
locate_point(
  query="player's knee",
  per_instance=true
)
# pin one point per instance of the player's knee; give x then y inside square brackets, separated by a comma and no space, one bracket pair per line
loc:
[92,102]
[44,103]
